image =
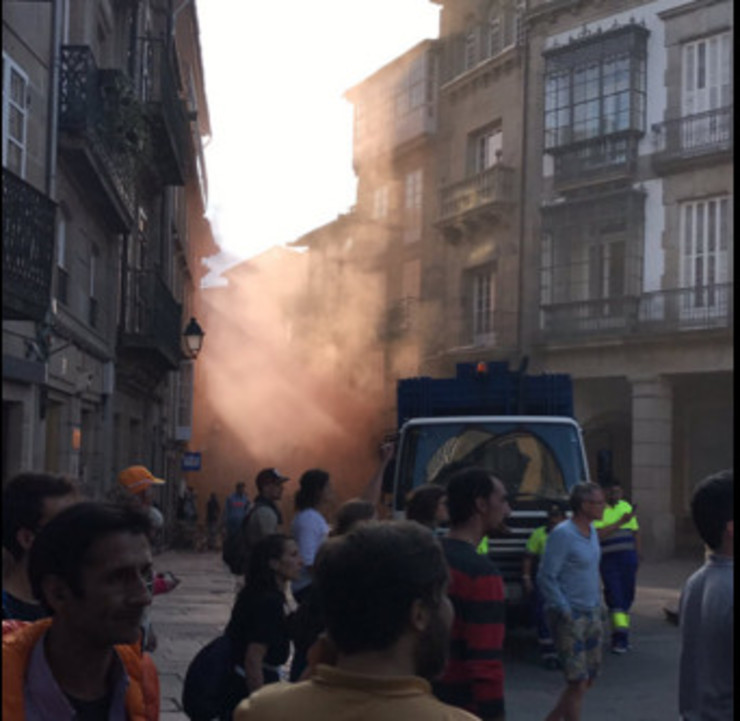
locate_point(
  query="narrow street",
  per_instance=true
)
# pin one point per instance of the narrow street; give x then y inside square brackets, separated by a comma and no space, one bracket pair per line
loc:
[640,686]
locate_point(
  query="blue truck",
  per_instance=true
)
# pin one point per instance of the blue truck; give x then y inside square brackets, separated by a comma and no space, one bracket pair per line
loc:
[518,425]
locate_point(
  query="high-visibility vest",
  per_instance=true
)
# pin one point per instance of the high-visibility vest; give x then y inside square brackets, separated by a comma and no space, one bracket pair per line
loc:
[142,694]
[623,538]
[536,541]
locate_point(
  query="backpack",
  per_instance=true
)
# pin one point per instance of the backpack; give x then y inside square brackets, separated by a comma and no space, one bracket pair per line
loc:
[205,691]
[232,552]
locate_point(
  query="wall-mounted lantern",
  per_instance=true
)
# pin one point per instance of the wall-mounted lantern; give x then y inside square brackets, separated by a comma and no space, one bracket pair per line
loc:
[193,335]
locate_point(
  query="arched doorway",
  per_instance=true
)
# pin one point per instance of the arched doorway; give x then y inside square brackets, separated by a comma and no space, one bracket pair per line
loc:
[611,432]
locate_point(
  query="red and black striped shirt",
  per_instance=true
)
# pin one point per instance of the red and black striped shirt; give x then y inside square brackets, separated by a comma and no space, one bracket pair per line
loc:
[474,676]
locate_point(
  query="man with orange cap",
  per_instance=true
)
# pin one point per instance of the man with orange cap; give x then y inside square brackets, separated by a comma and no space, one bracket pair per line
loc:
[135,489]
[138,481]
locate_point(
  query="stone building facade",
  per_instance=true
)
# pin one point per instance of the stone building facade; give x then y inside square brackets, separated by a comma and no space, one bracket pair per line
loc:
[630,200]
[104,112]
[572,204]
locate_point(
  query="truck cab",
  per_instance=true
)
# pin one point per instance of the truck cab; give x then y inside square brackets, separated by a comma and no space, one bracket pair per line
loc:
[539,457]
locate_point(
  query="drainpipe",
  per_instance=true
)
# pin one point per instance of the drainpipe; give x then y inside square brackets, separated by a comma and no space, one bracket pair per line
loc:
[39,391]
[53,100]
[522,196]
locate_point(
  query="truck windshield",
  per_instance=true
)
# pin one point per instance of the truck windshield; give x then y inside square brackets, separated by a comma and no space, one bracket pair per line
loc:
[534,460]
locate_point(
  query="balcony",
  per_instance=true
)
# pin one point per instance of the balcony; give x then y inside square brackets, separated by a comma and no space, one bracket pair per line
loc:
[601,160]
[28,249]
[482,197]
[97,144]
[703,138]
[168,121]
[667,311]
[606,316]
[152,323]
[684,309]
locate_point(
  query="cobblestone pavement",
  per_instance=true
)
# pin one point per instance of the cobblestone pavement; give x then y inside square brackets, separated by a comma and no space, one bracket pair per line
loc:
[640,686]
[187,618]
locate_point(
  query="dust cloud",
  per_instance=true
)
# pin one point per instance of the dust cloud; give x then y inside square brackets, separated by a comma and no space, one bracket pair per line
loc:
[290,376]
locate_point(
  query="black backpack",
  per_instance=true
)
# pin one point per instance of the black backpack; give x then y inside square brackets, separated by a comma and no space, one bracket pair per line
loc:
[232,552]
[205,692]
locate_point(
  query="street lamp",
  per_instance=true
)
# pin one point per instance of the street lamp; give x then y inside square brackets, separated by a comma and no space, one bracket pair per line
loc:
[193,335]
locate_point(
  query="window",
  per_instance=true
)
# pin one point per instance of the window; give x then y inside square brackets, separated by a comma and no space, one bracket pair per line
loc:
[469,56]
[596,88]
[518,29]
[62,274]
[92,289]
[412,98]
[184,391]
[486,147]
[15,116]
[411,279]
[606,271]
[412,206]
[484,293]
[415,81]
[592,250]
[546,264]
[494,36]
[707,68]
[707,87]
[380,203]
[704,253]
[137,261]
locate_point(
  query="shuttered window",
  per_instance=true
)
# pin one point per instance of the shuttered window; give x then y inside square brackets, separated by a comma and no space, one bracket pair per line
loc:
[15,116]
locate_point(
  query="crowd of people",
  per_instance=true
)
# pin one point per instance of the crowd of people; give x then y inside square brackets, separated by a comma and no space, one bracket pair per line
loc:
[340,614]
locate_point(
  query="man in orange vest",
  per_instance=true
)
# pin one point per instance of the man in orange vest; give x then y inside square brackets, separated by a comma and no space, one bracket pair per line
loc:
[90,566]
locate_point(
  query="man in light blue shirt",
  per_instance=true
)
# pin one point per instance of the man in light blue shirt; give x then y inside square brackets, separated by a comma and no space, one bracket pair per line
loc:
[568,579]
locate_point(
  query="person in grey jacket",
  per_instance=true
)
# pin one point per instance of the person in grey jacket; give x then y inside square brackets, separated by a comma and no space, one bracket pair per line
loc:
[705,682]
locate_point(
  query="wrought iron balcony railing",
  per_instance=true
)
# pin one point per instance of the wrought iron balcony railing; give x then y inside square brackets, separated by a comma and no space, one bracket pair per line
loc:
[89,101]
[693,136]
[701,307]
[603,316]
[153,318]
[482,191]
[28,249]
[665,311]
[168,119]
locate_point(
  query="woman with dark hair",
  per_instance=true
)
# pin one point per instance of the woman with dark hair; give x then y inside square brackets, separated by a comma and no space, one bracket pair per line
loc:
[310,530]
[309,527]
[259,624]
[428,505]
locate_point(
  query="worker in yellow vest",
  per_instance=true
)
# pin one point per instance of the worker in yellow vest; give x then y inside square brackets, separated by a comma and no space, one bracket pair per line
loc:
[532,554]
[619,536]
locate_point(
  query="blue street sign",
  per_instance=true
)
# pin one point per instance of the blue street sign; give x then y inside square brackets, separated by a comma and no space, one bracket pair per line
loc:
[191,461]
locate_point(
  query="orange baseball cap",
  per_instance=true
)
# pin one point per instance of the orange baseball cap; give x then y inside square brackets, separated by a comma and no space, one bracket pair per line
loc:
[136,479]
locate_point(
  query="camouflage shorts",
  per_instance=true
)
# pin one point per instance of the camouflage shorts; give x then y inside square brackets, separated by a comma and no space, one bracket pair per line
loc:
[578,640]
